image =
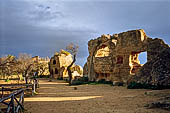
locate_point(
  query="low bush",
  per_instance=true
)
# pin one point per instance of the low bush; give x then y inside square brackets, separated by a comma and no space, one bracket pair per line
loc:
[44,76]
[103,81]
[134,85]
[61,78]
[80,81]
[76,82]
[84,80]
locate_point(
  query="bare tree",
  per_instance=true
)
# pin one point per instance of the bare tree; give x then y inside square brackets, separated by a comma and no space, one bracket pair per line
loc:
[73,49]
[25,66]
[42,67]
[6,60]
[7,65]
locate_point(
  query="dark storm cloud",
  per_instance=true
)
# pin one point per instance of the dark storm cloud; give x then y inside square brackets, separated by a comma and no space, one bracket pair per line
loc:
[44,13]
[41,27]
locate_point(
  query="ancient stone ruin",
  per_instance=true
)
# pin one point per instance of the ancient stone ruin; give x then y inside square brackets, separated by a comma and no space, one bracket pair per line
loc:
[43,62]
[59,63]
[155,72]
[115,57]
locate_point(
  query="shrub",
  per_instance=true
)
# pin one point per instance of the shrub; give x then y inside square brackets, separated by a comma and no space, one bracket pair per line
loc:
[103,81]
[61,78]
[77,82]
[44,76]
[134,85]
[84,80]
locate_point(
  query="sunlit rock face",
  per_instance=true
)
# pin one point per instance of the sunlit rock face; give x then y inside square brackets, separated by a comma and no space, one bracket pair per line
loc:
[115,57]
[77,71]
[85,70]
[59,63]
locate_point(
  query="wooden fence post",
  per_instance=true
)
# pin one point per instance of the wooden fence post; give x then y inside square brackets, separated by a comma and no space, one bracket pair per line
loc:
[34,86]
[13,104]
[23,98]
[32,89]
[2,92]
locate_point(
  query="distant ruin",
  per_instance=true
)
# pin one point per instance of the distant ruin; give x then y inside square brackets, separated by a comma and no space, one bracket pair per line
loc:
[44,63]
[58,65]
[115,57]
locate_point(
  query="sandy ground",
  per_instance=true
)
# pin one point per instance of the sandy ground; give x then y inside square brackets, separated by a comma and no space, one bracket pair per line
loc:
[58,97]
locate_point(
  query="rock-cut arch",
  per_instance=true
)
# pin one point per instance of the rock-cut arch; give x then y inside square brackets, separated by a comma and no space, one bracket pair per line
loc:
[103,51]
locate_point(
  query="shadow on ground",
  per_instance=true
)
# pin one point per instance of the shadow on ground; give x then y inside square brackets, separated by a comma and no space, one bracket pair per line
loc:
[58,97]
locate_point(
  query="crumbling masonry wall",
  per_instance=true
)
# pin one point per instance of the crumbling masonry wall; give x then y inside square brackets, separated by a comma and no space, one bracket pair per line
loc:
[115,57]
[58,66]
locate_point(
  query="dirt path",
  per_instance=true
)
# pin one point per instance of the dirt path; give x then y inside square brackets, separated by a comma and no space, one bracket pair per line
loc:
[57,97]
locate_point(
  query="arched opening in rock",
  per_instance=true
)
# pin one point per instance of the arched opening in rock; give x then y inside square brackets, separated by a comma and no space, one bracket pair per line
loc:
[103,51]
[54,61]
[134,61]
[143,57]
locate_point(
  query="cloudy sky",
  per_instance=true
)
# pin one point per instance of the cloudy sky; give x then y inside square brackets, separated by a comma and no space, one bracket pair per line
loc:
[41,27]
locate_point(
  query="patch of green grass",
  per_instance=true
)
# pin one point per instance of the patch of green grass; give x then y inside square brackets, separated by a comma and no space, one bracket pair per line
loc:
[7,80]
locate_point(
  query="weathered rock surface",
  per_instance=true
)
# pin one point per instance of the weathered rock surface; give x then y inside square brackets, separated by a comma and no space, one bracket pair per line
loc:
[77,71]
[156,71]
[85,70]
[160,104]
[59,63]
[115,57]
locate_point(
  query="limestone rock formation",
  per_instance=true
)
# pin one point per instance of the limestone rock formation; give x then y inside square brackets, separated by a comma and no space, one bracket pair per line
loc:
[77,68]
[85,70]
[115,57]
[59,63]
[156,71]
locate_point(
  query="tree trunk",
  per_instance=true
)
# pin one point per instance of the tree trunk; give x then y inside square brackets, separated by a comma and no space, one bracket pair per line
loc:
[18,78]
[26,80]
[69,70]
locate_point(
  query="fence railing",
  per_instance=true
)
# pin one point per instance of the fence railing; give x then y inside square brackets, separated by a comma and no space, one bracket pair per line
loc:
[14,103]
[10,87]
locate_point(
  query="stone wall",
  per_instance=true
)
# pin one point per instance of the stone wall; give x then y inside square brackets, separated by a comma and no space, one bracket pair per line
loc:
[156,71]
[115,57]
